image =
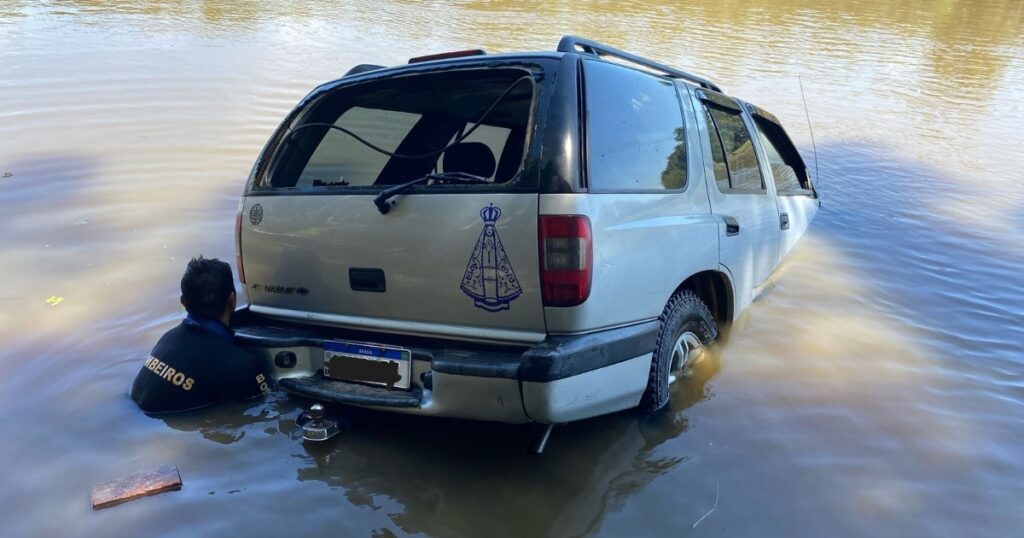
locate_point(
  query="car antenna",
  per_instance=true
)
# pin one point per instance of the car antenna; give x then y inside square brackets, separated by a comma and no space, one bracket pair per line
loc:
[809,128]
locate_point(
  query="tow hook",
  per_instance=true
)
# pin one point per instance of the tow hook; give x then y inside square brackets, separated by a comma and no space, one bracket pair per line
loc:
[316,426]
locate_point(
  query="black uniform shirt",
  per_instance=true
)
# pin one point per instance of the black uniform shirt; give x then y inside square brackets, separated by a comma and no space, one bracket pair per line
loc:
[194,365]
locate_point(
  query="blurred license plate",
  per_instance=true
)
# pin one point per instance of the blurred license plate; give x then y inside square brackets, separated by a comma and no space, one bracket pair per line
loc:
[368,363]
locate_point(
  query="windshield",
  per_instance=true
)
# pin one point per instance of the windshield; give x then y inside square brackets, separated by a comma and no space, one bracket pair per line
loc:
[392,131]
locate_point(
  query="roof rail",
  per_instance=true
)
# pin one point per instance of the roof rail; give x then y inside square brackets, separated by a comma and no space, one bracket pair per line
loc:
[571,43]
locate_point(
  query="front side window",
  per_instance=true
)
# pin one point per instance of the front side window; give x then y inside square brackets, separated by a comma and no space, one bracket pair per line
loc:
[391,131]
[788,170]
[729,138]
[635,135]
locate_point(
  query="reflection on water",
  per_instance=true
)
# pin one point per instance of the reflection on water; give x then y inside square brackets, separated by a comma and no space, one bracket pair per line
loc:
[875,389]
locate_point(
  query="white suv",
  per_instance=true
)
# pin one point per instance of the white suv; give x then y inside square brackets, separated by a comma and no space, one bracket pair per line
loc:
[535,237]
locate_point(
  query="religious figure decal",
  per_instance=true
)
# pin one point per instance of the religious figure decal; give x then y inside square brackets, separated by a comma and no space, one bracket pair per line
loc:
[489,279]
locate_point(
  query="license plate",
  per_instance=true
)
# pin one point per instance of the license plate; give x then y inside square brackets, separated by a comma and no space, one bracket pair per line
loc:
[368,363]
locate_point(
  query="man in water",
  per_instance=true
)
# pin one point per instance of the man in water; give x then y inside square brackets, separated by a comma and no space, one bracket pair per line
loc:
[196,363]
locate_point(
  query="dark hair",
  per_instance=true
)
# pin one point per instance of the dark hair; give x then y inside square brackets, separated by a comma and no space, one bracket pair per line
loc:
[206,286]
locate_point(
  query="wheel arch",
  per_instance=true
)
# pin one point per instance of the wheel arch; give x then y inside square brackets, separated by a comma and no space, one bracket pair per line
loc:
[715,289]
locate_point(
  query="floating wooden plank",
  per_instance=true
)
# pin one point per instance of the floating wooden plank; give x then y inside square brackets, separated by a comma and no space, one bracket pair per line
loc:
[165,478]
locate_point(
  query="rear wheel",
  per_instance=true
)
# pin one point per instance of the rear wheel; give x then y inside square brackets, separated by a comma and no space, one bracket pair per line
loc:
[686,327]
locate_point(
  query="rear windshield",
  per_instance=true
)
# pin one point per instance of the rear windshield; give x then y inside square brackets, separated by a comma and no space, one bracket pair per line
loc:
[391,131]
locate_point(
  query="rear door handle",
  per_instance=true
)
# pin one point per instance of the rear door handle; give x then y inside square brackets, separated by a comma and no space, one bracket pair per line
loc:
[732,226]
[784,221]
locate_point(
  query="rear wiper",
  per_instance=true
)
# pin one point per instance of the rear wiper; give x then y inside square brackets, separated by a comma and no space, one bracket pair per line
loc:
[464,178]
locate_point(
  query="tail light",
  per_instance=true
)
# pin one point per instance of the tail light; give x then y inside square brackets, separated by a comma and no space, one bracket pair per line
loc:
[566,259]
[238,247]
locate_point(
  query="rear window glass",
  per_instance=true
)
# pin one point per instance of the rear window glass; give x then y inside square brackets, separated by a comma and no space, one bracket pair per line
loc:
[493,137]
[409,127]
[635,134]
[339,157]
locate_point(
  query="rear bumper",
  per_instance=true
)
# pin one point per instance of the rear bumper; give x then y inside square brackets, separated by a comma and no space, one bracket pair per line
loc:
[561,379]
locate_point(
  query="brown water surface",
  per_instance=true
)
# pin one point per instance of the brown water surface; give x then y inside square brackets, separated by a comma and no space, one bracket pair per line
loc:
[876,390]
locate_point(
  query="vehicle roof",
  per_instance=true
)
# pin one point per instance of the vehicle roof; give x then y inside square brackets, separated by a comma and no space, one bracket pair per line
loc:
[431,65]
[569,45]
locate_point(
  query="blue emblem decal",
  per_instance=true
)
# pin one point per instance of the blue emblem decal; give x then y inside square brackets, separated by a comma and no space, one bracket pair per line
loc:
[489,279]
[256,214]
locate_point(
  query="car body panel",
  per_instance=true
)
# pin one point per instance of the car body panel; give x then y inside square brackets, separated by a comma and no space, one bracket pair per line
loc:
[753,253]
[299,256]
[800,210]
[645,245]
[598,392]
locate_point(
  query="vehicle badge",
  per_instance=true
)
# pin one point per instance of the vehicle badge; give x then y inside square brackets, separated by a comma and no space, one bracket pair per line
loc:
[256,214]
[489,278]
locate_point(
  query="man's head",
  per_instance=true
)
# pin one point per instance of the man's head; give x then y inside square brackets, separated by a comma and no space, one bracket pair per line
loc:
[208,289]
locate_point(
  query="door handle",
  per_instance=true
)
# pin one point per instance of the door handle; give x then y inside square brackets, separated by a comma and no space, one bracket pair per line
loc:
[784,221]
[732,226]
[366,280]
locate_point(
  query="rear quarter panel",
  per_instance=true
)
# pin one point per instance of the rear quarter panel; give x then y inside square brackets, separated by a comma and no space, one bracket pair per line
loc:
[645,246]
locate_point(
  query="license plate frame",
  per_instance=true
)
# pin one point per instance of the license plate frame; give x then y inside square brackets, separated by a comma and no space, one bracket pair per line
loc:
[368,363]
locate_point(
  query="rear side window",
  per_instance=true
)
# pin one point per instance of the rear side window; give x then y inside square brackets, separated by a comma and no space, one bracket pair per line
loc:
[394,130]
[635,135]
[721,168]
[788,170]
[732,151]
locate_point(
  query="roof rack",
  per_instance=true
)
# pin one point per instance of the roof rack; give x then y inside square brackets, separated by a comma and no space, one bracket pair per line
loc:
[571,43]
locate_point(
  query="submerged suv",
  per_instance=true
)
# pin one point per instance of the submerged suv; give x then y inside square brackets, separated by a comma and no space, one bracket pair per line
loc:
[532,237]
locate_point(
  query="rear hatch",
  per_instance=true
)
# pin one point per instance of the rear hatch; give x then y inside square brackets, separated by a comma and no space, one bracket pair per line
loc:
[448,258]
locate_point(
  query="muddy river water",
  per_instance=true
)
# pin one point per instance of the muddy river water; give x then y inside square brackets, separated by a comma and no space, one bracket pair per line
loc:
[876,388]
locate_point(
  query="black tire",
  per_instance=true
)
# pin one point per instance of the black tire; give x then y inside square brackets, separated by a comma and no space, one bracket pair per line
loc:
[684,313]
